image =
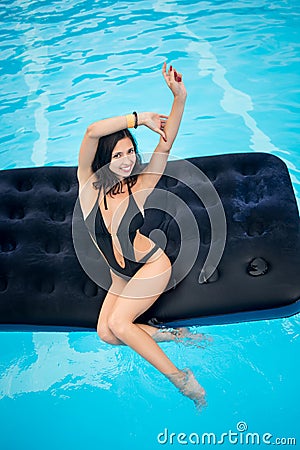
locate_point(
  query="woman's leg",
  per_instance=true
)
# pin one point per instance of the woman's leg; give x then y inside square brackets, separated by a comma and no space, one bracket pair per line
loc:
[138,295]
[103,330]
[178,334]
[141,291]
[106,335]
[119,311]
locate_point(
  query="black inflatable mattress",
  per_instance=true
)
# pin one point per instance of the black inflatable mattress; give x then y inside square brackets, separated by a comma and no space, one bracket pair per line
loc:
[229,224]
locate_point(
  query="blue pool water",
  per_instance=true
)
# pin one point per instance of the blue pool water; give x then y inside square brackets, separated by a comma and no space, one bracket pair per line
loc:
[68,63]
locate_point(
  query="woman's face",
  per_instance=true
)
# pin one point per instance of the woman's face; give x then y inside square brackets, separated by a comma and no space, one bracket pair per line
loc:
[123,158]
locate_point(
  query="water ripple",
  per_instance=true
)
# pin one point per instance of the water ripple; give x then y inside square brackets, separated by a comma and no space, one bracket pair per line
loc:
[64,45]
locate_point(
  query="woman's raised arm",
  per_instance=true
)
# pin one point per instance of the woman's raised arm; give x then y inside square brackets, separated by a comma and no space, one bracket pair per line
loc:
[90,140]
[108,126]
[158,161]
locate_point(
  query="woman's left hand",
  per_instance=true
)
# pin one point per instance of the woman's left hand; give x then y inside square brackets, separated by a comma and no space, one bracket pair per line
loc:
[174,81]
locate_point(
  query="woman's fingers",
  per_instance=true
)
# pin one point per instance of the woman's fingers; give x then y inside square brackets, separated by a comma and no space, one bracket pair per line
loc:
[173,80]
[163,121]
[163,135]
[166,77]
[177,76]
[172,74]
[156,122]
[161,132]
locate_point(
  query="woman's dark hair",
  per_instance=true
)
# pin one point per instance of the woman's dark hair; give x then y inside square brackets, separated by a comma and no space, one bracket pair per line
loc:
[106,179]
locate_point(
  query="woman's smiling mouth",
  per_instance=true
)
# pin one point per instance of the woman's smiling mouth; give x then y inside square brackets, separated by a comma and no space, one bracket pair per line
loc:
[126,168]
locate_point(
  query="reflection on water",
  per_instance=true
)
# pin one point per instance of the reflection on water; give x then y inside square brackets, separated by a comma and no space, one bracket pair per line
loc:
[53,364]
[59,362]
[69,64]
[81,383]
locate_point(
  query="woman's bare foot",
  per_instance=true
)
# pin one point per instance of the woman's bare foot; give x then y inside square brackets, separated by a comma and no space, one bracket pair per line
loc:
[187,384]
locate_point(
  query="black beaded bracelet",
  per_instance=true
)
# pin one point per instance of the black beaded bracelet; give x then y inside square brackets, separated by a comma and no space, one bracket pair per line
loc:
[136,119]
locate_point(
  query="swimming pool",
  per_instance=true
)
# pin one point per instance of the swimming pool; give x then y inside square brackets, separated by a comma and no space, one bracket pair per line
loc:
[67,63]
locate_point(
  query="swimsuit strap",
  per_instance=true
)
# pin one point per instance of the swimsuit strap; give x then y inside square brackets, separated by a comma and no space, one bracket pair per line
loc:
[105,202]
[129,188]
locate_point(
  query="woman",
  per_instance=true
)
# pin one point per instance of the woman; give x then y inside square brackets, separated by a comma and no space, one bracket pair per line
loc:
[140,270]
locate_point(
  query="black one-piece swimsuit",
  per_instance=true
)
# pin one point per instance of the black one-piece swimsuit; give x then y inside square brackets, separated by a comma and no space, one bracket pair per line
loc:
[129,224]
